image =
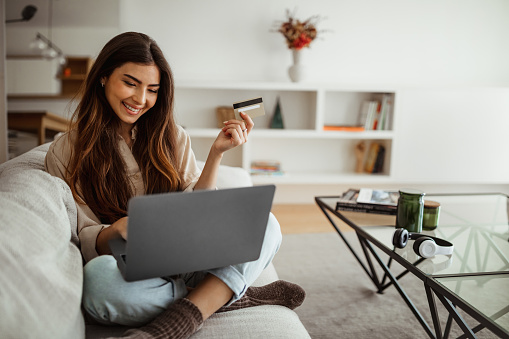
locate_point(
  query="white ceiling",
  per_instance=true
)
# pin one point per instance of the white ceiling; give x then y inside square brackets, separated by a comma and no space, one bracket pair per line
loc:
[65,13]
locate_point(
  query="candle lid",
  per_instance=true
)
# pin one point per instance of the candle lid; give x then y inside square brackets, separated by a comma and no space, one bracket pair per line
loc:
[431,204]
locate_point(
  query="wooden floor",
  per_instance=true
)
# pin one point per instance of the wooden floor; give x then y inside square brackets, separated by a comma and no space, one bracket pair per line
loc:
[303,218]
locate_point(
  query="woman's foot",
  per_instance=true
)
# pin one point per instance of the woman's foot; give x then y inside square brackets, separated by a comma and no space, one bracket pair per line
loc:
[279,292]
[179,321]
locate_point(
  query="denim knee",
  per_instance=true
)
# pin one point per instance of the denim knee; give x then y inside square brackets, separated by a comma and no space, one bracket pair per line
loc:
[109,299]
[99,276]
[273,233]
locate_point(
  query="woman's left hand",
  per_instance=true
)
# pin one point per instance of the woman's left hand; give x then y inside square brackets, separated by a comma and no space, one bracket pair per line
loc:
[234,133]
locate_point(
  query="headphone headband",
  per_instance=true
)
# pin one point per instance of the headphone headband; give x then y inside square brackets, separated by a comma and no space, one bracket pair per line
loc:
[439,241]
[425,245]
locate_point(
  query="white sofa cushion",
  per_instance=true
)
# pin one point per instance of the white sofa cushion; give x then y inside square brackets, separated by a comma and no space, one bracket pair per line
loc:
[230,176]
[41,265]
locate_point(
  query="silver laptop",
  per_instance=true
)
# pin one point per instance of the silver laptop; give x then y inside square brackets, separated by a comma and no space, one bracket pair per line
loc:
[175,233]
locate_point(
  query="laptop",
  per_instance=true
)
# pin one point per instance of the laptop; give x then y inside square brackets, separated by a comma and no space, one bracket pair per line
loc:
[181,232]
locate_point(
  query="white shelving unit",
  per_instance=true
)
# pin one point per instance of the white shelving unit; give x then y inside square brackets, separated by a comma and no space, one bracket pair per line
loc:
[307,153]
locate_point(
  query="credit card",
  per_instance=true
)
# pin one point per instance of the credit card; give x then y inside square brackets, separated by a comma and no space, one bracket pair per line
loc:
[252,107]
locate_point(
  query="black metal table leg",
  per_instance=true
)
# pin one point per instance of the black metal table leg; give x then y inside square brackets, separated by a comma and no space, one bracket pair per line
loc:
[457,317]
[434,312]
[403,294]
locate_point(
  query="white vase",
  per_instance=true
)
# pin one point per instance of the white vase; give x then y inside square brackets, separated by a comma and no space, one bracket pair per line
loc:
[297,71]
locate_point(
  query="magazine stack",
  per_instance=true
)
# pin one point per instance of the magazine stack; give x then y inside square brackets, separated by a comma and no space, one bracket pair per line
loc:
[367,200]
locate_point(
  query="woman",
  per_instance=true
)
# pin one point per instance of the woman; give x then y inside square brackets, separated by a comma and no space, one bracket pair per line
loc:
[124,142]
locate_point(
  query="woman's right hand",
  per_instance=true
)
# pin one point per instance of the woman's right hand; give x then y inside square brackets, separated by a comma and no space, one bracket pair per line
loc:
[116,230]
[121,227]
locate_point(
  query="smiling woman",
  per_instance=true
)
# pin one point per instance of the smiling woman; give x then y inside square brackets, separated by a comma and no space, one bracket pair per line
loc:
[123,143]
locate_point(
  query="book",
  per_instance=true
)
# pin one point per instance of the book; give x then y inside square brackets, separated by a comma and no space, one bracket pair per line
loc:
[379,161]
[344,128]
[367,114]
[375,158]
[378,197]
[266,167]
[368,200]
[377,116]
[360,209]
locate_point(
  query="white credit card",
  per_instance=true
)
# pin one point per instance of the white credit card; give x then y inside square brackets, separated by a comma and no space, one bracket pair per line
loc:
[252,107]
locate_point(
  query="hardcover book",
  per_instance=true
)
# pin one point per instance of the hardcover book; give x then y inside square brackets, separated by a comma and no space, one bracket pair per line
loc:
[368,200]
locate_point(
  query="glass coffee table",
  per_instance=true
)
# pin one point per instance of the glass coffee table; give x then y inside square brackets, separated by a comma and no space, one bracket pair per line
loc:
[475,278]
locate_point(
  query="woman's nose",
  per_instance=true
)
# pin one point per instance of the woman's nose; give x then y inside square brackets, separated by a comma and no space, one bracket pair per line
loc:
[140,97]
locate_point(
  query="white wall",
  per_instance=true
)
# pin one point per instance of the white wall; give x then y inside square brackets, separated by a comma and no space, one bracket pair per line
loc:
[390,42]
[409,43]
[402,42]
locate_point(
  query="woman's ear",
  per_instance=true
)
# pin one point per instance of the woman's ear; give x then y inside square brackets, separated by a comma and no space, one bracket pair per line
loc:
[103,81]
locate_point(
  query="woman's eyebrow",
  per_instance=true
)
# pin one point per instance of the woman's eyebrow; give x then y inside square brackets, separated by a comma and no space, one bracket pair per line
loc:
[138,81]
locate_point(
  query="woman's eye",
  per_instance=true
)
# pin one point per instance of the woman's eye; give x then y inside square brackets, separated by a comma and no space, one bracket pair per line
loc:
[129,83]
[153,91]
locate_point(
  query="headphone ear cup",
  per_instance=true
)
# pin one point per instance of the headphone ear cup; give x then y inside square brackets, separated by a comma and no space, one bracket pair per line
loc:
[425,247]
[400,238]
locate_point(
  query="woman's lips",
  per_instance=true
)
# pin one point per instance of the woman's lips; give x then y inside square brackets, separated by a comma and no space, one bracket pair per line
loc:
[131,110]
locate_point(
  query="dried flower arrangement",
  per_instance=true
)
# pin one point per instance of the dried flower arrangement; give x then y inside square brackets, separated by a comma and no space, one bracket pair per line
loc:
[298,34]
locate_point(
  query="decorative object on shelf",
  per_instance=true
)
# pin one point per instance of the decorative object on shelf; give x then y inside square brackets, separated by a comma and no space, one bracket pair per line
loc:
[298,34]
[277,118]
[224,113]
[360,153]
[297,71]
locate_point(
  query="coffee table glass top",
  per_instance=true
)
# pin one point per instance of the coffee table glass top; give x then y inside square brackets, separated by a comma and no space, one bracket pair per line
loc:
[476,224]
[489,294]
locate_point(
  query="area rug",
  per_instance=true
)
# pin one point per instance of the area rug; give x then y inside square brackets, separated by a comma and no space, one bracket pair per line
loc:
[341,300]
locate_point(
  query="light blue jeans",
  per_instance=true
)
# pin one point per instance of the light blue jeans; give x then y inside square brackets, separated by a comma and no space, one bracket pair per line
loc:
[109,299]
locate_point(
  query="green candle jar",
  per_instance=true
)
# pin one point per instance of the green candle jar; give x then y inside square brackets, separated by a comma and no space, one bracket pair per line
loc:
[431,215]
[410,210]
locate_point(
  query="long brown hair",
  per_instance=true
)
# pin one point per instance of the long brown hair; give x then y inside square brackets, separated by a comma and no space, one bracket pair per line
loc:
[96,169]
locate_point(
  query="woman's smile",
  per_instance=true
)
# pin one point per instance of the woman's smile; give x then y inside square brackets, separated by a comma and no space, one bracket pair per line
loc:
[130,109]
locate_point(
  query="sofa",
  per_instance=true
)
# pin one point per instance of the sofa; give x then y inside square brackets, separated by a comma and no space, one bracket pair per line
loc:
[41,264]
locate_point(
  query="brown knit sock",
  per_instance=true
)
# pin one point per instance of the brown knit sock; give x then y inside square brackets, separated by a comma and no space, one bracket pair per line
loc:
[179,321]
[279,292]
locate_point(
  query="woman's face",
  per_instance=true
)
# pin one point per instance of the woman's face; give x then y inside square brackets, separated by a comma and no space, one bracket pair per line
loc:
[131,90]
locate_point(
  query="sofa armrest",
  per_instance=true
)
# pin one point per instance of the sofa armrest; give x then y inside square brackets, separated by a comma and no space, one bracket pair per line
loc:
[230,176]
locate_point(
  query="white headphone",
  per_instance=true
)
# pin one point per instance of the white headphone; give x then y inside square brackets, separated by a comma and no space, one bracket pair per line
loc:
[425,246]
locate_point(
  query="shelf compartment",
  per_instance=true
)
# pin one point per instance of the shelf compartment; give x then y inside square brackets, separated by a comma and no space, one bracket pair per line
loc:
[343,108]
[201,147]
[313,155]
[197,107]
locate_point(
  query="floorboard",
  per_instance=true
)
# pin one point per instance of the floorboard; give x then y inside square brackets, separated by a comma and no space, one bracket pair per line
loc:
[304,218]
